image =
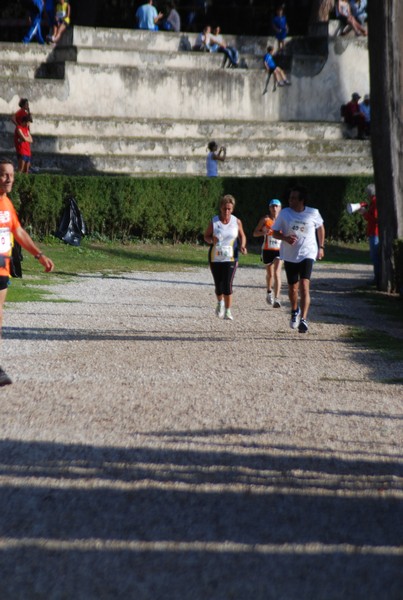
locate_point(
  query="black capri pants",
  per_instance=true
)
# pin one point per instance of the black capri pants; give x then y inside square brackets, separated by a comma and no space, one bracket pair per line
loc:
[223,275]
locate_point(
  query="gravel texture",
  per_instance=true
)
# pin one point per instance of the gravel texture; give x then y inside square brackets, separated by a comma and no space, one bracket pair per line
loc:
[152,451]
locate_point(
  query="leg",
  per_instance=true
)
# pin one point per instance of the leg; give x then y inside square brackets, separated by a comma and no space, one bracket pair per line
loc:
[305,296]
[277,277]
[293,295]
[3,294]
[269,277]
[60,32]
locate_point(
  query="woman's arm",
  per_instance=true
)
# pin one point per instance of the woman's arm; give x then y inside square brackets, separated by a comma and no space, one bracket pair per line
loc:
[208,234]
[258,231]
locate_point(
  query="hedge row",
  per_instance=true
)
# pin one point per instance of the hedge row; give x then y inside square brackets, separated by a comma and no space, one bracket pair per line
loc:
[177,209]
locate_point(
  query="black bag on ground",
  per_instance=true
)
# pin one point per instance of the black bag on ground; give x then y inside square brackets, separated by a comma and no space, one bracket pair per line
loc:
[72,226]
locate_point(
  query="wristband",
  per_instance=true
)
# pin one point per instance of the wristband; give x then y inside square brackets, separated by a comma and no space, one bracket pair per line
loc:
[321,247]
[38,256]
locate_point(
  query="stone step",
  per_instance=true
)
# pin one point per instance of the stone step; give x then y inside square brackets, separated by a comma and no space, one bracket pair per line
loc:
[163,146]
[185,165]
[43,70]
[131,39]
[51,125]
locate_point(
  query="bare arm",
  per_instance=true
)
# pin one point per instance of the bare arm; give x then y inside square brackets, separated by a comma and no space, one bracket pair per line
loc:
[259,229]
[242,237]
[25,240]
[320,232]
[221,154]
[208,234]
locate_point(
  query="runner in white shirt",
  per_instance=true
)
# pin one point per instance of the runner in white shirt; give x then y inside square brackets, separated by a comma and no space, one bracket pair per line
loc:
[302,232]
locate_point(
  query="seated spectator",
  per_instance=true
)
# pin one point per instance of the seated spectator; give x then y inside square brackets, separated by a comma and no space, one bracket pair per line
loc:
[218,44]
[365,109]
[203,40]
[359,10]
[62,21]
[280,78]
[280,27]
[172,22]
[353,116]
[147,16]
[343,13]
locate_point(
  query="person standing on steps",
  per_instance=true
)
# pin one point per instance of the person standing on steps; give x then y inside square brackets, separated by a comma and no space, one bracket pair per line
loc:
[226,235]
[302,233]
[10,226]
[213,157]
[271,253]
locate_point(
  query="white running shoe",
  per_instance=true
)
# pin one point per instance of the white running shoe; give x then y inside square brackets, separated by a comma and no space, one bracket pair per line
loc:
[295,318]
[228,315]
[220,309]
[269,298]
[276,303]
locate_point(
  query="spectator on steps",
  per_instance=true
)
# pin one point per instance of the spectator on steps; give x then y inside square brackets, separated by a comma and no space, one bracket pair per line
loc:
[280,78]
[203,40]
[359,10]
[280,27]
[36,10]
[213,157]
[172,22]
[62,21]
[147,16]
[365,109]
[343,13]
[218,44]
[22,142]
[24,111]
[353,117]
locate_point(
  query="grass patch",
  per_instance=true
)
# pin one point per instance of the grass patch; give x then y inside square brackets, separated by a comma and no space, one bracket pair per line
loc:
[378,341]
[387,305]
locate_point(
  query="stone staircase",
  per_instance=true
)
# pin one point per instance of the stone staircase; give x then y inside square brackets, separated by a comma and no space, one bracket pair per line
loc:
[141,103]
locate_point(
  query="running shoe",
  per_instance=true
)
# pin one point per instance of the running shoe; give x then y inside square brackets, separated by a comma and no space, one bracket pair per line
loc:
[295,316]
[277,303]
[4,378]
[269,298]
[220,310]
[228,315]
[303,326]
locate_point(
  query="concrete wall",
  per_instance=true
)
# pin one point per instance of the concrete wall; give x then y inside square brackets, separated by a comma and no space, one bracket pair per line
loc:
[165,82]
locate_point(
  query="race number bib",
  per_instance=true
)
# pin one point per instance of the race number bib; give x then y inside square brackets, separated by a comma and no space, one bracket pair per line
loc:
[5,241]
[224,252]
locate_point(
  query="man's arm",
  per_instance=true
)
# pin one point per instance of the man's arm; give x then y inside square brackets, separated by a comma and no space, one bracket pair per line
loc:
[25,240]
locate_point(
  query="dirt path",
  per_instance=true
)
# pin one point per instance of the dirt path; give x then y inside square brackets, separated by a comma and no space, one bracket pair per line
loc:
[152,451]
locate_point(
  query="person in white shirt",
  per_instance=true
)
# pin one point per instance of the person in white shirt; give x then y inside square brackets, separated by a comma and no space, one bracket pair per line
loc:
[301,230]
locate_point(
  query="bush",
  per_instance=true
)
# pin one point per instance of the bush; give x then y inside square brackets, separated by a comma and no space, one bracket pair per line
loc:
[177,209]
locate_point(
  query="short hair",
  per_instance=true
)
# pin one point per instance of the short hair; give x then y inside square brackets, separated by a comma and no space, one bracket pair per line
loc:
[302,191]
[270,48]
[227,199]
[6,161]
[22,102]
[211,145]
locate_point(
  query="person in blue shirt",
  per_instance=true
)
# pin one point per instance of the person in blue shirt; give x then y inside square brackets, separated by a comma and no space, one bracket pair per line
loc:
[280,27]
[271,67]
[147,16]
[35,18]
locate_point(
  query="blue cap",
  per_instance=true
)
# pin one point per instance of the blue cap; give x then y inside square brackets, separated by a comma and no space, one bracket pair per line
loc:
[274,202]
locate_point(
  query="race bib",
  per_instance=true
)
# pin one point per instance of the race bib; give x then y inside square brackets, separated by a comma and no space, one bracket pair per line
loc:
[5,241]
[224,252]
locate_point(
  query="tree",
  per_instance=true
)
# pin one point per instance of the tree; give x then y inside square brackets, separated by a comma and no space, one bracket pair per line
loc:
[385,37]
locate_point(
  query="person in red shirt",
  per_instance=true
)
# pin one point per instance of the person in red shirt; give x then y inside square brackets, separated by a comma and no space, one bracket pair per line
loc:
[370,213]
[353,115]
[24,111]
[10,228]
[22,142]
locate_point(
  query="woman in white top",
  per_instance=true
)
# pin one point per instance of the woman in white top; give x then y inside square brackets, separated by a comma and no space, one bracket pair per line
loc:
[226,235]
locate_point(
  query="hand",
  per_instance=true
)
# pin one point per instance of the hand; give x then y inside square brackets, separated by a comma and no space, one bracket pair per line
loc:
[244,250]
[291,239]
[47,263]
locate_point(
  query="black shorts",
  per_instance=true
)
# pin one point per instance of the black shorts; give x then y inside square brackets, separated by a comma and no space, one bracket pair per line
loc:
[297,271]
[269,256]
[223,275]
[4,282]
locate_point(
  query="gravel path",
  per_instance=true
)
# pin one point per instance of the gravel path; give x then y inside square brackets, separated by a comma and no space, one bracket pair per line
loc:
[151,451]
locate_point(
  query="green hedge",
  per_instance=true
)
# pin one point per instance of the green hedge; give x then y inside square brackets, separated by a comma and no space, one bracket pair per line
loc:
[177,209]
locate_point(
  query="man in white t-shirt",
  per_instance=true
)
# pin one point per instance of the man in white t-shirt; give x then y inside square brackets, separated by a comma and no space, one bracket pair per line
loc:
[302,231]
